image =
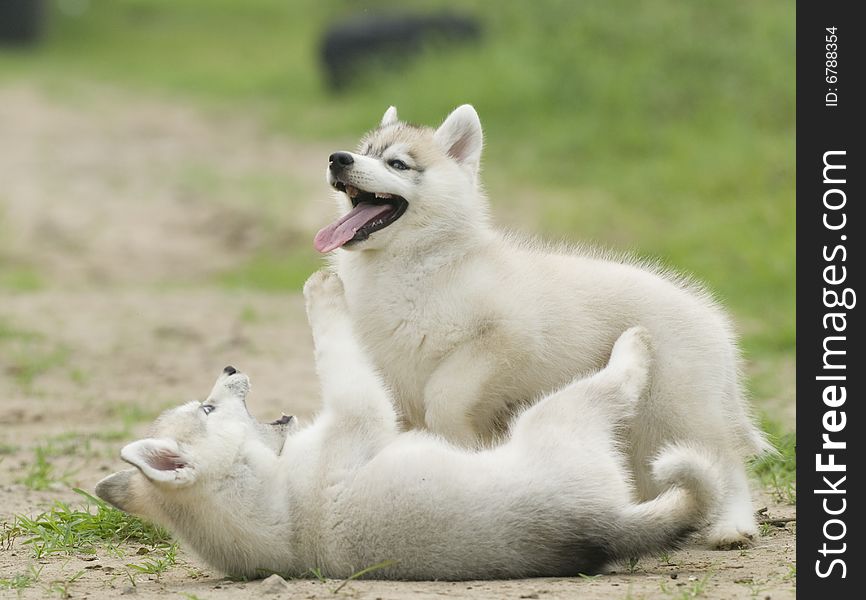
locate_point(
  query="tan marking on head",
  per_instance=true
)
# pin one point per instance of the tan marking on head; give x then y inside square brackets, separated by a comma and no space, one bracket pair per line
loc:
[418,141]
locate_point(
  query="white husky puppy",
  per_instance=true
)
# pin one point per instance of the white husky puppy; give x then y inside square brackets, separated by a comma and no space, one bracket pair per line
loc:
[466,325]
[352,491]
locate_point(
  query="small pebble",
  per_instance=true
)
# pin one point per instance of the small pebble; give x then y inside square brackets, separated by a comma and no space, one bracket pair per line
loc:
[274,585]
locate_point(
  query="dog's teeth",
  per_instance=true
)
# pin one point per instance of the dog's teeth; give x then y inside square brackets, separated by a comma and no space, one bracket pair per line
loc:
[352,191]
[383,195]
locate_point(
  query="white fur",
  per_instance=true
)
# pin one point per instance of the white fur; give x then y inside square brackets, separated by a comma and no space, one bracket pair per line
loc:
[351,491]
[466,325]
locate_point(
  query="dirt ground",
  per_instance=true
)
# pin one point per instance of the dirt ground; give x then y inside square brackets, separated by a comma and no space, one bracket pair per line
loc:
[124,209]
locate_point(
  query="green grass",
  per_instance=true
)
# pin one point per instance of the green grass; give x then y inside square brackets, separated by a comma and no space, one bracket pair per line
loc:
[133,414]
[16,275]
[95,527]
[22,580]
[317,574]
[778,472]
[25,368]
[26,355]
[156,563]
[60,587]
[20,279]
[754,586]
[40,474]
[271,272]
[665,559]
[65,530]
[365,571]
[10,332]
[695,589]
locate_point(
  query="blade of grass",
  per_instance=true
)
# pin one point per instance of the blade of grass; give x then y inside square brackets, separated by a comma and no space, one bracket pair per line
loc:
[382,565]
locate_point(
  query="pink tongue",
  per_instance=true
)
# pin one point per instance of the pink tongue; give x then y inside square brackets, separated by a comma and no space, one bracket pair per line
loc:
[342,230]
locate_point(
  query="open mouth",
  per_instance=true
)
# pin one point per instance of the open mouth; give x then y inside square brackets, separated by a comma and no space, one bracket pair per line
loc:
[371,211]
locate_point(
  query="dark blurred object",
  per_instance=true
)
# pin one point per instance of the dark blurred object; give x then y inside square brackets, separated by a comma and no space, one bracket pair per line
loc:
[350,45]
[21,21]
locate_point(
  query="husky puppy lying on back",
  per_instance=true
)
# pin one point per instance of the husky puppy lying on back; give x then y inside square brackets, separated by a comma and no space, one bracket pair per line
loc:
[467,326]
[351,491]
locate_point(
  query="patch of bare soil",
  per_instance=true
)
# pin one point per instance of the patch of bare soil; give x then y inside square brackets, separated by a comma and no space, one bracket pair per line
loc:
[103,189]
[113,201]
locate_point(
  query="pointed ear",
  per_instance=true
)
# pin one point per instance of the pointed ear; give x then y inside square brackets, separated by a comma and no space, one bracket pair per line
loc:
[120,491]
[460,136]
[390,117]
[160,460]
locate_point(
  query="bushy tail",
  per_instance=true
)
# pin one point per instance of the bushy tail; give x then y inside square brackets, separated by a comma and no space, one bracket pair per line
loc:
[691,497]
[757,443]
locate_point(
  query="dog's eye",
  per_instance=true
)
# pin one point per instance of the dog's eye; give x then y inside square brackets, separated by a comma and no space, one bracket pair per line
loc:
[208,408]
[396,163]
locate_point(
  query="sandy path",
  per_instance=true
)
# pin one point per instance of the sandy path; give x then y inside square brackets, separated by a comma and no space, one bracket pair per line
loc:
[125,208]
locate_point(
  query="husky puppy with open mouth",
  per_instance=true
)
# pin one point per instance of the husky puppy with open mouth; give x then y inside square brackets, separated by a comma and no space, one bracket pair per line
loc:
[351,490]
[467,325]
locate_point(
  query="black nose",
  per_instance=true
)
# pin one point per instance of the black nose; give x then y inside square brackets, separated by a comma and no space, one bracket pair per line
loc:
[230,370]
[339,161]
[284,420]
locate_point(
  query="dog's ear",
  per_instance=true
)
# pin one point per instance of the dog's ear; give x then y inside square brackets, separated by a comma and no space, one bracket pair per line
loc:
[460,136]
[390,117]
[160,460]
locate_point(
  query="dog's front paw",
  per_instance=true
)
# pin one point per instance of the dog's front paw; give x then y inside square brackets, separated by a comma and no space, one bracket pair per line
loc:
[324,296]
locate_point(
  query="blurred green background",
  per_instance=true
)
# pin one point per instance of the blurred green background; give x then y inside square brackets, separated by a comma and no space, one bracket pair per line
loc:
[661,127]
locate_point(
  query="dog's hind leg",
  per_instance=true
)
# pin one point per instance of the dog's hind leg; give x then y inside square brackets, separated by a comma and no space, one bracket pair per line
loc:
[596,403]
[735,526]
